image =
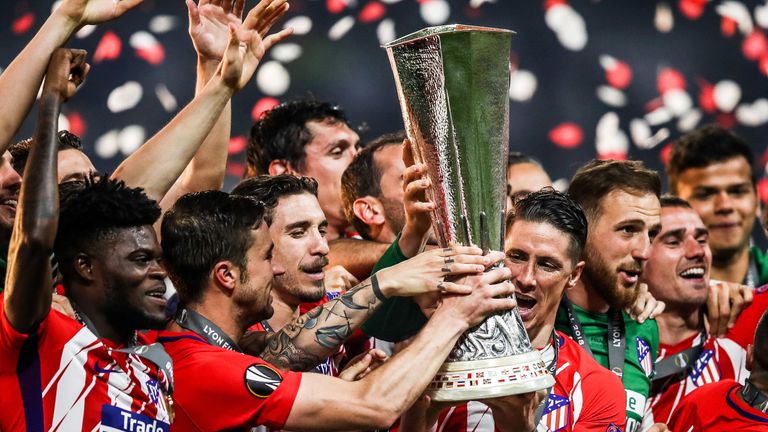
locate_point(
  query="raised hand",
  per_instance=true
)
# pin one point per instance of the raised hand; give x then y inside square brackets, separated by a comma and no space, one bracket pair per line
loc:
[84,12]
[247,45]
[66,72]
[209,26]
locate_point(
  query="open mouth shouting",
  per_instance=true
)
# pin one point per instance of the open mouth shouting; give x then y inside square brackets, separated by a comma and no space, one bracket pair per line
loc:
[525,306]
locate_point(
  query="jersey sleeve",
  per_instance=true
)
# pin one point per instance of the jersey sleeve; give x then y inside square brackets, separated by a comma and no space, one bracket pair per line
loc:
[602,404]
[226,390]
[399,317]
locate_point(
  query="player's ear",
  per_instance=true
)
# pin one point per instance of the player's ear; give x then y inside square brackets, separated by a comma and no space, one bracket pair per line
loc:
[369,210]
[226,275]
[575,275]
[279,166]
[83,267]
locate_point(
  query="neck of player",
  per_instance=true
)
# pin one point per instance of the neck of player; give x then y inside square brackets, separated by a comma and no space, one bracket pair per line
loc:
[587,299]
[116,332]
[542,337]
[284,313]
[730,267]
[678,323]
[223,313]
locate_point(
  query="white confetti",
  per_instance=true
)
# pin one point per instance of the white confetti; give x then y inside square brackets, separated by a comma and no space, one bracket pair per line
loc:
[63,122]
[689,121]
[664,20]
[761,15]
[568,25]
[658,116]
[607,62]
[478,3]
[640,131]
[142,39]
[166,98]
[522,85]
[727,95]
[678,101]
[435,12]
[107,145]
[273,79]
[130,139]
[286,52]
[85,31]
[125,97]
[754,114]
[391,1]
[163,23]
[736,11]
[610,139]
[611,96]
[341,27]
[301,24]
[561,184]
[386,31]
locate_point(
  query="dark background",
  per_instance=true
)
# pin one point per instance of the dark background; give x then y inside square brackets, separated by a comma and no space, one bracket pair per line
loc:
[354,71]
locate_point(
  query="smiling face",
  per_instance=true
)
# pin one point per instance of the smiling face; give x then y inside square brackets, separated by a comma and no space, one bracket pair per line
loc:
[725,198]
[10,182]
[619,243]
[128,268]
[254,290]
[327,155]
[298,230]
[678,269]
[538,255]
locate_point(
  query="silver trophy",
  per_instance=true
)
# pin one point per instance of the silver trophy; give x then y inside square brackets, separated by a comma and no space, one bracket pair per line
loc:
[452,82]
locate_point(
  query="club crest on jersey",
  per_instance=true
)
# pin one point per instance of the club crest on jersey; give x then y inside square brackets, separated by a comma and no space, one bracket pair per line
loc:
[705,370]
[556,414]
[644,356]
[261,380]
[612,428]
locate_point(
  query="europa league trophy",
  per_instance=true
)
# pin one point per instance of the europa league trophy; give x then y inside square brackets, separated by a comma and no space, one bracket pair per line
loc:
[452,82]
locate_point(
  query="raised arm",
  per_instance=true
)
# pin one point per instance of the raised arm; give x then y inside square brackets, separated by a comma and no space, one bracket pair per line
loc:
[301,345]
[28,285]
[20,81]
[157,164]
[380,398]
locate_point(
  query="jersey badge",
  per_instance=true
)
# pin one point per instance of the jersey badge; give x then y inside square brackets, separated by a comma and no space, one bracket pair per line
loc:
[261,380]
[556,414]
[705,370]
[644,356]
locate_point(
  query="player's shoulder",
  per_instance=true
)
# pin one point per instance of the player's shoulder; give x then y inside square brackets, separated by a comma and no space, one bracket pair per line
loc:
[715,391]
[572,356]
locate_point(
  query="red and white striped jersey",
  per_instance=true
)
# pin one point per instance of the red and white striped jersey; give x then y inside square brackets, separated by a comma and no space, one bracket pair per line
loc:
[586,397]
[64,378]
[721,358]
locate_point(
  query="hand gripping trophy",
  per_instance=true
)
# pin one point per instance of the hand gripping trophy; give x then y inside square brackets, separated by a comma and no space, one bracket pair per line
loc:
[452,82]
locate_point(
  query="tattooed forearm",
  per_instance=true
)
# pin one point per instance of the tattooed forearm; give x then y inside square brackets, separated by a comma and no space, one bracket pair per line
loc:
[303,344]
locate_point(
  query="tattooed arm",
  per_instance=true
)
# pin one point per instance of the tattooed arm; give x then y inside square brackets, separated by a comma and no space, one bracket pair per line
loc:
[312,337]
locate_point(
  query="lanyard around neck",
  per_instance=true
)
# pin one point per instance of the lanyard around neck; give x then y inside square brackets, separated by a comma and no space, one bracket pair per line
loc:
[615,336]
[204,328]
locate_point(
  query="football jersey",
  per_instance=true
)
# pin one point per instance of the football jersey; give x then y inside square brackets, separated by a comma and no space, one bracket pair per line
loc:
[219,389]
[64,378]
[586,397]
[642,344]
[722,358]
[717,407]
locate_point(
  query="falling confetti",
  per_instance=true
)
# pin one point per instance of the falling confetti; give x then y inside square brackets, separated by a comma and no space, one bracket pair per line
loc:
[727,94]
[568,25]
[125,97]
[147,47]
[373,11]
[385,32]
[617,73]
[341,28]
[272,78]
[435,12]
[611,96]
[262,106]
[108,49]
[166,98]
[301,25]
[23,23]
[286,52]
[567,135]
[664,20]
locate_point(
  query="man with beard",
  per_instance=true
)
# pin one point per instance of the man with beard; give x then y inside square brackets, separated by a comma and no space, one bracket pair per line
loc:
[219,251]
[545,237]
[621,202]
[372,189]
[58,373]
[728,405]
[678,274]
[298,229]
[712,169]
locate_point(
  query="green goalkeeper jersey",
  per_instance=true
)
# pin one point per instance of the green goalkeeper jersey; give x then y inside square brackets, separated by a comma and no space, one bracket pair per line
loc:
[640,349]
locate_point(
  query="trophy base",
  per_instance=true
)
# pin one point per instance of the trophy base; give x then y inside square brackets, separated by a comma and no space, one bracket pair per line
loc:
[486,379]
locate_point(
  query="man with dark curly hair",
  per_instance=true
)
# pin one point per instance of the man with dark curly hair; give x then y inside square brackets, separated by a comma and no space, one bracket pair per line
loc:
[308,138]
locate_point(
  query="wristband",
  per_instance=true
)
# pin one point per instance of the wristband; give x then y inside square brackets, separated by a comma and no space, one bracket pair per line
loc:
[376,290]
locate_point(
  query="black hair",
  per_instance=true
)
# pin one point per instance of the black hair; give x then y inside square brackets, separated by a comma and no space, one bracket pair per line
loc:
[281,133]
[516,158]
[362,177]
[20,150]
[668,201]
[202,229]
[269,189]
[92,211]
[554,208]
[703,147]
